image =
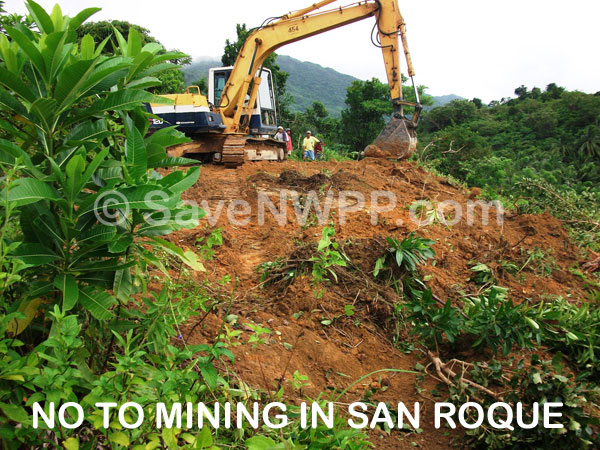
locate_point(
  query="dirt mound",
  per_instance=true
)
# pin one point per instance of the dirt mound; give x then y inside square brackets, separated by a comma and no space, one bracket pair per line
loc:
[311,329]
[295,180]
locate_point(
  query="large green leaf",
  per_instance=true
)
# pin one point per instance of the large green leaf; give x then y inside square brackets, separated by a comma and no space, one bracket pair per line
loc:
[98,303]
[135,151]
[118,101]
[134,43]
[121,243]
[40,17]
[123,286]
[71,81]
[55,52]
[30,190]
[9,56]
[15,84]
[35,254]
[87,131]
[144,83]
[156,153]
[46,231]
[187,257]
[121,40]
[157,69]
[106,74]
[74,171]
[68,286]
[93,166]
[176,161]
[140,63]
[178,182]
[166,137]
[9,152]
[152,47]
[44,110]
[12,103]
[29,48]
[15,413]
[81,17]
[57,18]
[169,56]
[100,234]
[147,197]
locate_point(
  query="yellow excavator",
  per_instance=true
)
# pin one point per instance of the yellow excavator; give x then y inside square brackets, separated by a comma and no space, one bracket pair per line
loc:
[237,120]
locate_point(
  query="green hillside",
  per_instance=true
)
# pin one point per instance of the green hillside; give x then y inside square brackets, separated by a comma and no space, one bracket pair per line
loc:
[307,83]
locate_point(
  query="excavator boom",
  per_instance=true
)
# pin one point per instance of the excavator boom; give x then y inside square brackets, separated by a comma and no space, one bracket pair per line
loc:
[398,139]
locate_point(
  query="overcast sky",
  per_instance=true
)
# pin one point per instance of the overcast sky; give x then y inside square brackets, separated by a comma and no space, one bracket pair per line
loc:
[472,48]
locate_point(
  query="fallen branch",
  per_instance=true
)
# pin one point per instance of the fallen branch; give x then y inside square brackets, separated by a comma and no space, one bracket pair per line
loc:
[446,374]
[594,264]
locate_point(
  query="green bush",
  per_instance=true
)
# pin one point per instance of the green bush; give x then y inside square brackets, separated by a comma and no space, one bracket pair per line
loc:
[573,330]
[432,321]
[81,215]
[536,382]
[498,324]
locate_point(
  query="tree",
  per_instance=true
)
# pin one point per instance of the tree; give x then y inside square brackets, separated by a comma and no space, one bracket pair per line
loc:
[230,54]
[368,104]
[202,83]
[589,141]
[172,79]
[553,92]
[455,112]
[316,118]
[522,92]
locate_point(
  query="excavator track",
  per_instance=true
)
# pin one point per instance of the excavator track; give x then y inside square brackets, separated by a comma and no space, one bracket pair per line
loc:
[265,149]
[233,152]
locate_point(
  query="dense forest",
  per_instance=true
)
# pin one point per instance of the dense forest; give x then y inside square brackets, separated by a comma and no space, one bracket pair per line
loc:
[539,150]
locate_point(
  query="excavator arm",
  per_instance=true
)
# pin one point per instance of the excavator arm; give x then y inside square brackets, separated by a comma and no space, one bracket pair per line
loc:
[398,138]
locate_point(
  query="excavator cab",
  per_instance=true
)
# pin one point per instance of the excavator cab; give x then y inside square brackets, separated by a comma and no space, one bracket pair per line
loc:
[263,117]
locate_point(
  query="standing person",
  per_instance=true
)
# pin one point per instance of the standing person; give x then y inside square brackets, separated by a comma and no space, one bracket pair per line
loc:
[281,135]
[289,141]
[318,149]
[308,146]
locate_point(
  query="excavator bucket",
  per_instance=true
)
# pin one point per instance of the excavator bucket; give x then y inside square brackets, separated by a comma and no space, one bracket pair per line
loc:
[397,140]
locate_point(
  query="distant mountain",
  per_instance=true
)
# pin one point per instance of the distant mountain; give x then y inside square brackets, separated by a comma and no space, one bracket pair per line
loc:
[443,99]
[199,68]
[307,83]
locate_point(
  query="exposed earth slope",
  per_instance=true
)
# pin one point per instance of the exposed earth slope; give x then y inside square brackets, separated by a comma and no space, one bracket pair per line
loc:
[311,332]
